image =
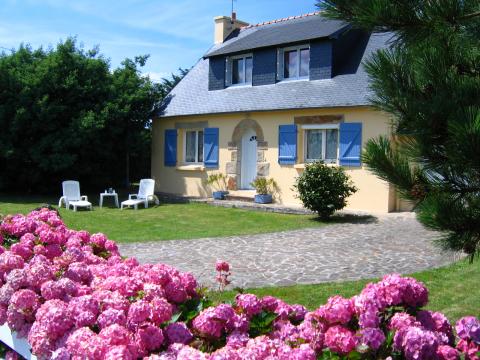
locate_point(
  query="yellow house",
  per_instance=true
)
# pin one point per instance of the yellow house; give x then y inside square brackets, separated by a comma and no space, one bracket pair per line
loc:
[267,99]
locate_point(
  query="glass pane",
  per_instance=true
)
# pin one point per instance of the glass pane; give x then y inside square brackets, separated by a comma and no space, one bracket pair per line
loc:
[290,64]
[237,71]
[248,69]
[314,144]
[190,145]
[200,146]
[304,62]
[332,144]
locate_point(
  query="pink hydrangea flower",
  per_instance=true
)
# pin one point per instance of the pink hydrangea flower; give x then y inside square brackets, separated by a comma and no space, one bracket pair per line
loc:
[445,352]
[161,311]
[84,310]
[22,250]
[372,337]
[213,321]
[469,349]
[149,337]
[62,289]
[338,310]
[115,335]
[402,320]
[340,339]
[221,265]
[110,317]
[17,278]
[237,339]
[249,304]
[419,344]
[11,355]
[468,328]
[175,291]
[178,333]
[55,318]
[416,294]
[139,312]
[39,340]
[118,352]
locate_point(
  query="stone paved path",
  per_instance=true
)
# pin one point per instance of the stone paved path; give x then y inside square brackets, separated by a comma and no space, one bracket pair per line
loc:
[344,251]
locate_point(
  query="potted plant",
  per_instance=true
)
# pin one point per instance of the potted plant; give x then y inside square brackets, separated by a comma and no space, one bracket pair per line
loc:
[265,189]
[219,183]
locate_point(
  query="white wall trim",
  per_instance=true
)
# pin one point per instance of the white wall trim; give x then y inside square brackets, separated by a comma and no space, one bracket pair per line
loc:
[320,126]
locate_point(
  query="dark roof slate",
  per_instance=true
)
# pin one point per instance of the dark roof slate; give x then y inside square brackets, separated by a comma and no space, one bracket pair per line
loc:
[282,32]
[347,88]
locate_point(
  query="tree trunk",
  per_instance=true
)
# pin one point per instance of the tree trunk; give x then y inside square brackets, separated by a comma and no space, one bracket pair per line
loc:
[127,169]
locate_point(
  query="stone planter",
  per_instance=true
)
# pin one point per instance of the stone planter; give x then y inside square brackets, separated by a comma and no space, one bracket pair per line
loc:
[219,195]
[263,198]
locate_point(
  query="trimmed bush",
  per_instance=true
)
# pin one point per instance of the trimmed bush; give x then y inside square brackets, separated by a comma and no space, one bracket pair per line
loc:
[324,189]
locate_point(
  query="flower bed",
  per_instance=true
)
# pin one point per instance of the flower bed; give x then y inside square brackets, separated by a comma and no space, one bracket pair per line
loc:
[73,296]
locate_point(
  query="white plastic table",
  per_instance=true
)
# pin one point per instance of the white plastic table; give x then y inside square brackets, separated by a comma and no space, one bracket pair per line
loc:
[114,195]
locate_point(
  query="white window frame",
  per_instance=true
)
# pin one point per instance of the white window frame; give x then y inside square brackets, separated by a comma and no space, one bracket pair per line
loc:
[323,127]
[230,64]
[296,48]
[197,131]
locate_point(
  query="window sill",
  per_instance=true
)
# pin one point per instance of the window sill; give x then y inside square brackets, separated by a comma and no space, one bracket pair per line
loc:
[289,80]
[303,165]
[236,86]
[191,167]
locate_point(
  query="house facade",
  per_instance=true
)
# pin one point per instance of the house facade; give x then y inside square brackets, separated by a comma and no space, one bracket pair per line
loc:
[267,99]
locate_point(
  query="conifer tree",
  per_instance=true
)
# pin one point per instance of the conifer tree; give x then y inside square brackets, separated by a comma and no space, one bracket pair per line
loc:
[429,81]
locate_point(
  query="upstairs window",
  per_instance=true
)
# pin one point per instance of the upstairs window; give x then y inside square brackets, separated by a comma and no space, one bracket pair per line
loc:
[239,70]
[194,146]
[294,63]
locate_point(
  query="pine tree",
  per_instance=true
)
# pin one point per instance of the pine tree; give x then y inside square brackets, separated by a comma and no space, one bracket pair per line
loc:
[429,81]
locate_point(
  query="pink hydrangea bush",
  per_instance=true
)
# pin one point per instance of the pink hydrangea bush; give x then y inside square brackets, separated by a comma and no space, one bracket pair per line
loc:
[73,297]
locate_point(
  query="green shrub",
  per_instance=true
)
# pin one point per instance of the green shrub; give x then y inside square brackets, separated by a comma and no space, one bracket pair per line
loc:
[218,181]
[264,186]
[324,189]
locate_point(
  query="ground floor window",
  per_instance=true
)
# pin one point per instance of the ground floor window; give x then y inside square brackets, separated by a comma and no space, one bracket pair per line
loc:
[321,144]
[194,146]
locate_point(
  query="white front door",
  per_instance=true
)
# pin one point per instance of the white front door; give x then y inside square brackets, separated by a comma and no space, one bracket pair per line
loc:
[249,159]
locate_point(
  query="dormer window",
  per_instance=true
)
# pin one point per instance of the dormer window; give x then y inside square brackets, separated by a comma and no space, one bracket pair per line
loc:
[294,63]
[239,70]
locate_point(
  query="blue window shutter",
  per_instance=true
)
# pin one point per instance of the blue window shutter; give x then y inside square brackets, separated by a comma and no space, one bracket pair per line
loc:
[170,147]
[210,147]
[287,144]
[350,144]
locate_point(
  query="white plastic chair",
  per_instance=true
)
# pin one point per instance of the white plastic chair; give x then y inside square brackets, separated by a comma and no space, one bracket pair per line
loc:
[71,196]
[145,194]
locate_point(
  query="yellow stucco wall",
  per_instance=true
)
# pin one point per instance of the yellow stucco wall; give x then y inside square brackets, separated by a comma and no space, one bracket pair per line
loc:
[373,195]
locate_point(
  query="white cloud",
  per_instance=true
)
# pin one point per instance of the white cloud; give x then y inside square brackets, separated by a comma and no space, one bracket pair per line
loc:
[191,19]
[156,76]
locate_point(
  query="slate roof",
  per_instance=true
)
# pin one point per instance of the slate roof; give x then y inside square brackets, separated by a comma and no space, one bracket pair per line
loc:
[284,31]
[348,88]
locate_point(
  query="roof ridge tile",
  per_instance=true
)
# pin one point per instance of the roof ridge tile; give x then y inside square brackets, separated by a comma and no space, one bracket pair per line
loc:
[275,21]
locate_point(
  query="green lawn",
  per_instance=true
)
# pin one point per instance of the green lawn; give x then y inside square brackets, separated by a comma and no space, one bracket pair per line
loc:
[454,290]
[164,222]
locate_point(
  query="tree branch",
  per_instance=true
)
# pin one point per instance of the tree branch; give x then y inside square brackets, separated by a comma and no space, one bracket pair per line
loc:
[469,16]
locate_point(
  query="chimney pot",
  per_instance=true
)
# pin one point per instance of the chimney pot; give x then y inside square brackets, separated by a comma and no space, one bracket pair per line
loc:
[225,25]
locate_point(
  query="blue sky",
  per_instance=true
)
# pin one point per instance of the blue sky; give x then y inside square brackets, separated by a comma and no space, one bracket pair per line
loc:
[174,32]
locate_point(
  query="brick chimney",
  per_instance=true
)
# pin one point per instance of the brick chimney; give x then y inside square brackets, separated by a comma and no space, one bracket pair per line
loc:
[224,25]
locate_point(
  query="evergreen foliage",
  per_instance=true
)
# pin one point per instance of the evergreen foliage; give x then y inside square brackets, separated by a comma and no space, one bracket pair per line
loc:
[429,81]
[65,115]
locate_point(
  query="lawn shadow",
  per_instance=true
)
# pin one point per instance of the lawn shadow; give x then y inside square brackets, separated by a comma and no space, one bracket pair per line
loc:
[348,219]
